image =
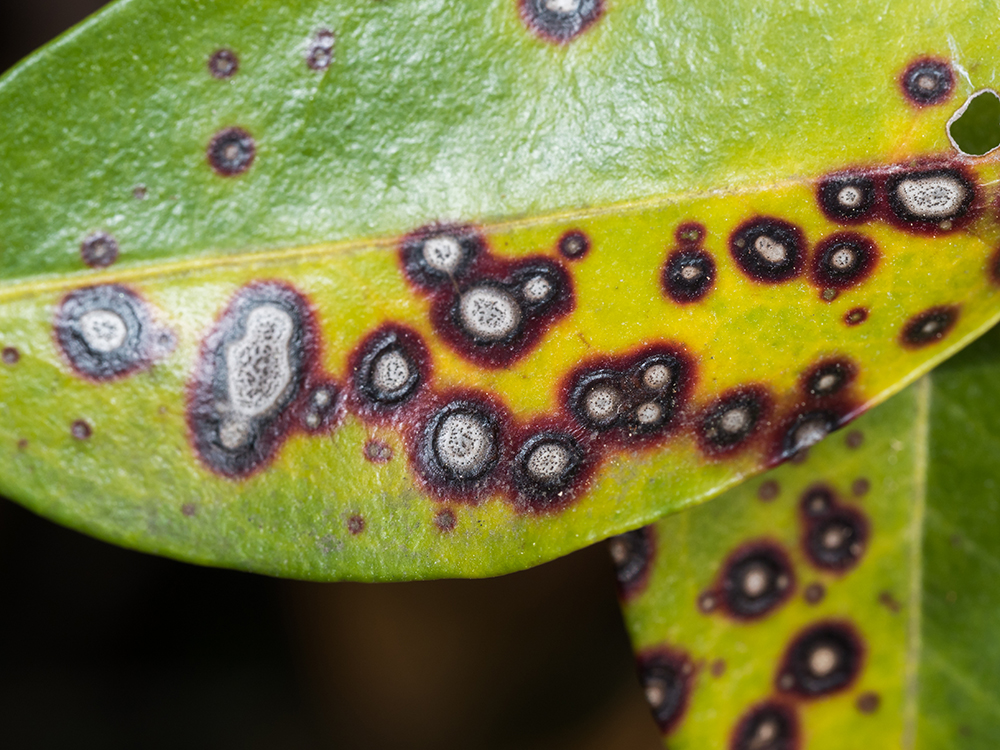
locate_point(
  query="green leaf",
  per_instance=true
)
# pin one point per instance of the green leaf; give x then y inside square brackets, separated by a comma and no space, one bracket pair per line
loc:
[888,533]
[287,193]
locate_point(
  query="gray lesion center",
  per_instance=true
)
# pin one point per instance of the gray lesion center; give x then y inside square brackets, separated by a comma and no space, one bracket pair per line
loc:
[258,372]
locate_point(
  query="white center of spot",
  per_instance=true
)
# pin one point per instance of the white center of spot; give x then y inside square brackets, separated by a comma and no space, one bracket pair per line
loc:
[932,198]
[619,551]
[755,581]
[601,403]
[489,313]
[926,82]
[390,372]
[766,733]
[321,398]
[691,272]
[735,420]
[849,196]
[562,6]
[234,433]
[809,433]
[827,382]
[258,364]
[835,536]
[548,462]
[769,250]
[463,443]
[843,258]
[822,661]
[443,253]
[103,330]
[537,289]
[656,377]
[648,413]
[655,693]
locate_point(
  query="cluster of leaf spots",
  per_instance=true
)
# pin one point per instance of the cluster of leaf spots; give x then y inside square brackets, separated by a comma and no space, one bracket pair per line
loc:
[825,654]
[258,378]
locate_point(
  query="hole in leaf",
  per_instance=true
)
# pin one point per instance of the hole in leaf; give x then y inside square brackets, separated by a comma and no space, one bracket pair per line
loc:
[975,128]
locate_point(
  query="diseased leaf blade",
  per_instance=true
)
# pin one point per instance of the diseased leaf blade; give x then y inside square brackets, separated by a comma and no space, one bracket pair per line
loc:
[913,480]
[272,197]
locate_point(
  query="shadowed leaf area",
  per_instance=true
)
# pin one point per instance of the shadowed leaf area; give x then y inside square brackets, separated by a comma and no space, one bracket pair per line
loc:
[397,290]
[844,600]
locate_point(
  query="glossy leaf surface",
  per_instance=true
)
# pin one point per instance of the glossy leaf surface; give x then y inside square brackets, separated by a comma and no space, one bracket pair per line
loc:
[529,323]
[887,535]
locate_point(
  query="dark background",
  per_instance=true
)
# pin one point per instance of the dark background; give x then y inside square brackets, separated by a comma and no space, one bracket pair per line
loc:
[106,648]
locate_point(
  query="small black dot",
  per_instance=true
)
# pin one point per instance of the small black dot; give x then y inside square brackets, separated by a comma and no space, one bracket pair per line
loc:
[632,554]
[732,419]
[768,726]
[666,679]
[768,250]
[11,356]
[929,327]
[756,580]
[560,20]
[829,378]
[231,151]
[688,275]
[823,659]
[574,244]
[847,198]
[388,371]
[837,539]
[817,501]
[843,260]
[546,466]
[927,81]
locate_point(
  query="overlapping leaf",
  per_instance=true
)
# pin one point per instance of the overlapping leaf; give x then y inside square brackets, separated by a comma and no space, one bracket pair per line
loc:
[845,600]
[415,289]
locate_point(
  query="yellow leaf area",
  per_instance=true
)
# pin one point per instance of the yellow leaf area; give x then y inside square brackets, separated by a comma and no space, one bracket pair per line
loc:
[786,613]
[474,400]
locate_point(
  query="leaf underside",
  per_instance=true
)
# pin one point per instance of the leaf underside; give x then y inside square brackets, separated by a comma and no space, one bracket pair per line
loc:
[398,290]
[882,534]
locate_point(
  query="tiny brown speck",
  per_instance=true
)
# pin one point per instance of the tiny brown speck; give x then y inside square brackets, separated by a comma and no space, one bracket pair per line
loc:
[861,487]
[99,250]
[445,520]
[22,444]
[829,295]
[223,64]
[854,439]
[189,509]
[320,53]
[139,192]
[956,540]
[888,601]
[707,602]
[768,490]
[800,457]
[11,356]
[868,703]
[856,316]
[718,668]
[80,430]
[377,452]
[814,593]
[355,524]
